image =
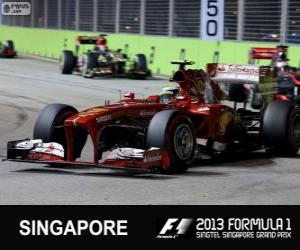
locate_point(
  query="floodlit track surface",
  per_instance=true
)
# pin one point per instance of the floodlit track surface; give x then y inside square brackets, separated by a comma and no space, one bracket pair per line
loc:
[27,85]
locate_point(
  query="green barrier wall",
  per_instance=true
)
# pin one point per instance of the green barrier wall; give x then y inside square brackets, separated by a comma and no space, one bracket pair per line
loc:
[159,50]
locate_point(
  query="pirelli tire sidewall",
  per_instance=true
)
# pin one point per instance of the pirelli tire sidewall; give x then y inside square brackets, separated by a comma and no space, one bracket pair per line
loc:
[53,116]
[90,62]
[279,123]
[140,62]
[162,133]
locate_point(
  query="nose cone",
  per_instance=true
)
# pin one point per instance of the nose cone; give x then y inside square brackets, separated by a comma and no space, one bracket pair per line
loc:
[83,119]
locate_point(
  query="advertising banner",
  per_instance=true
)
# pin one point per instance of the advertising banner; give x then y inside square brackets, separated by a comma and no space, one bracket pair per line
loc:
[212,20]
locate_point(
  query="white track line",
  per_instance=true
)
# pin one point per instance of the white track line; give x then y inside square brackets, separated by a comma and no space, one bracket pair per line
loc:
[39,57]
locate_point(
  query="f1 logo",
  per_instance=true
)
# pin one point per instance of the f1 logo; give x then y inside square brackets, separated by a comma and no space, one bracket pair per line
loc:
[175,226]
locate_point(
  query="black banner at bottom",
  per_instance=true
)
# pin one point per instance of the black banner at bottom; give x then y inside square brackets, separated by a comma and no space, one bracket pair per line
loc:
[150,223]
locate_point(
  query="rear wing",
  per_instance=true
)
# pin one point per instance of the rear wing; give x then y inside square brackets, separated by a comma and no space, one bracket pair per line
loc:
[86,40]
[234,73]
[265,53]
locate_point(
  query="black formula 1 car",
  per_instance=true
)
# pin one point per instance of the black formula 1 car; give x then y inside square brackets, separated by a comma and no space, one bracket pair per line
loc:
[100,60]
[7,49]
[286,76]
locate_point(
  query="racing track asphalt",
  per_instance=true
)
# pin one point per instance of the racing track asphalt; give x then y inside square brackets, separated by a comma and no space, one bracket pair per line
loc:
[27,85]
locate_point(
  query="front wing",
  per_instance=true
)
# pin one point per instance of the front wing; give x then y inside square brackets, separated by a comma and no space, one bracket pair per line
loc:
[149,160]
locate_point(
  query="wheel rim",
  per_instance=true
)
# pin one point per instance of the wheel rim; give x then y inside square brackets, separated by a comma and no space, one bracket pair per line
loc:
[183,142]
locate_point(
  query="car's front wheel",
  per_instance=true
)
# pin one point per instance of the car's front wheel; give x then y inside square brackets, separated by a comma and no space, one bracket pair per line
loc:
[174,132]
[66,62]
[49,127]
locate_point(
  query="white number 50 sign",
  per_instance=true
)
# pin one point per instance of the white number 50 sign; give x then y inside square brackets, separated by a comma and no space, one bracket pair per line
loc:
[212,20]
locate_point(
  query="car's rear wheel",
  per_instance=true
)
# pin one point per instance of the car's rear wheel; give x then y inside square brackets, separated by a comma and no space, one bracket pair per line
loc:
[281,128]
[49,127]
[140,64]
[175,133]
[66,62]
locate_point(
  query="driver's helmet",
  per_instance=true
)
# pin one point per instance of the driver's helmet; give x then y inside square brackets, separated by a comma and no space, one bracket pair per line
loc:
[101,43]
[169,92]
[280,60]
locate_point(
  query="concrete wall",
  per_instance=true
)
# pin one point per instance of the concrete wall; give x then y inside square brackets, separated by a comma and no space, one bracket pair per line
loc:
[159,50]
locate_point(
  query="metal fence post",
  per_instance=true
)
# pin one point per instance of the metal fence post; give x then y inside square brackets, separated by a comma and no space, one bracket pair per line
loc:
[283,22]
[171,17]
[45,14]
[77,15]
[117,24]
[142,17]
[59,14]
[95,19]
[32,13]
[241,20]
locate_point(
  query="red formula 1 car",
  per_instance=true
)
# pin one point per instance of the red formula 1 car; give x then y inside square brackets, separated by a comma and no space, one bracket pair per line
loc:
[287,77]
[165,132]
[7,49]
[99,60]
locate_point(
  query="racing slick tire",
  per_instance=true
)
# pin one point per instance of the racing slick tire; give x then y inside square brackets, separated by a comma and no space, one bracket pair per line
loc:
[118,68]
[89,63]
[66,62]
[9,44]
[140,63]
[281,128]
[174,132]
[49,127]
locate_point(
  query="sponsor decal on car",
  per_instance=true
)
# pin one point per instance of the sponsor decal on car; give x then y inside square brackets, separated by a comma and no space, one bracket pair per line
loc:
[204,109]
[225,119]
[148,113]
[97,110]
[236,72]
[152,156]
[105,118]
[236,68]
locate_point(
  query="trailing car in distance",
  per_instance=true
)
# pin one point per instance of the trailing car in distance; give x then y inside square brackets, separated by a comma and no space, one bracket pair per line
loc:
[100,60]
[7,49]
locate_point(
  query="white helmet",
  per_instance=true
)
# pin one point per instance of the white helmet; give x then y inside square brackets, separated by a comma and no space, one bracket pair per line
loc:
[169,92]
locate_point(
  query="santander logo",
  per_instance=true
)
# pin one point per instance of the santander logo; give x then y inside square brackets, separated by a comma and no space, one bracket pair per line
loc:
[230,68]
